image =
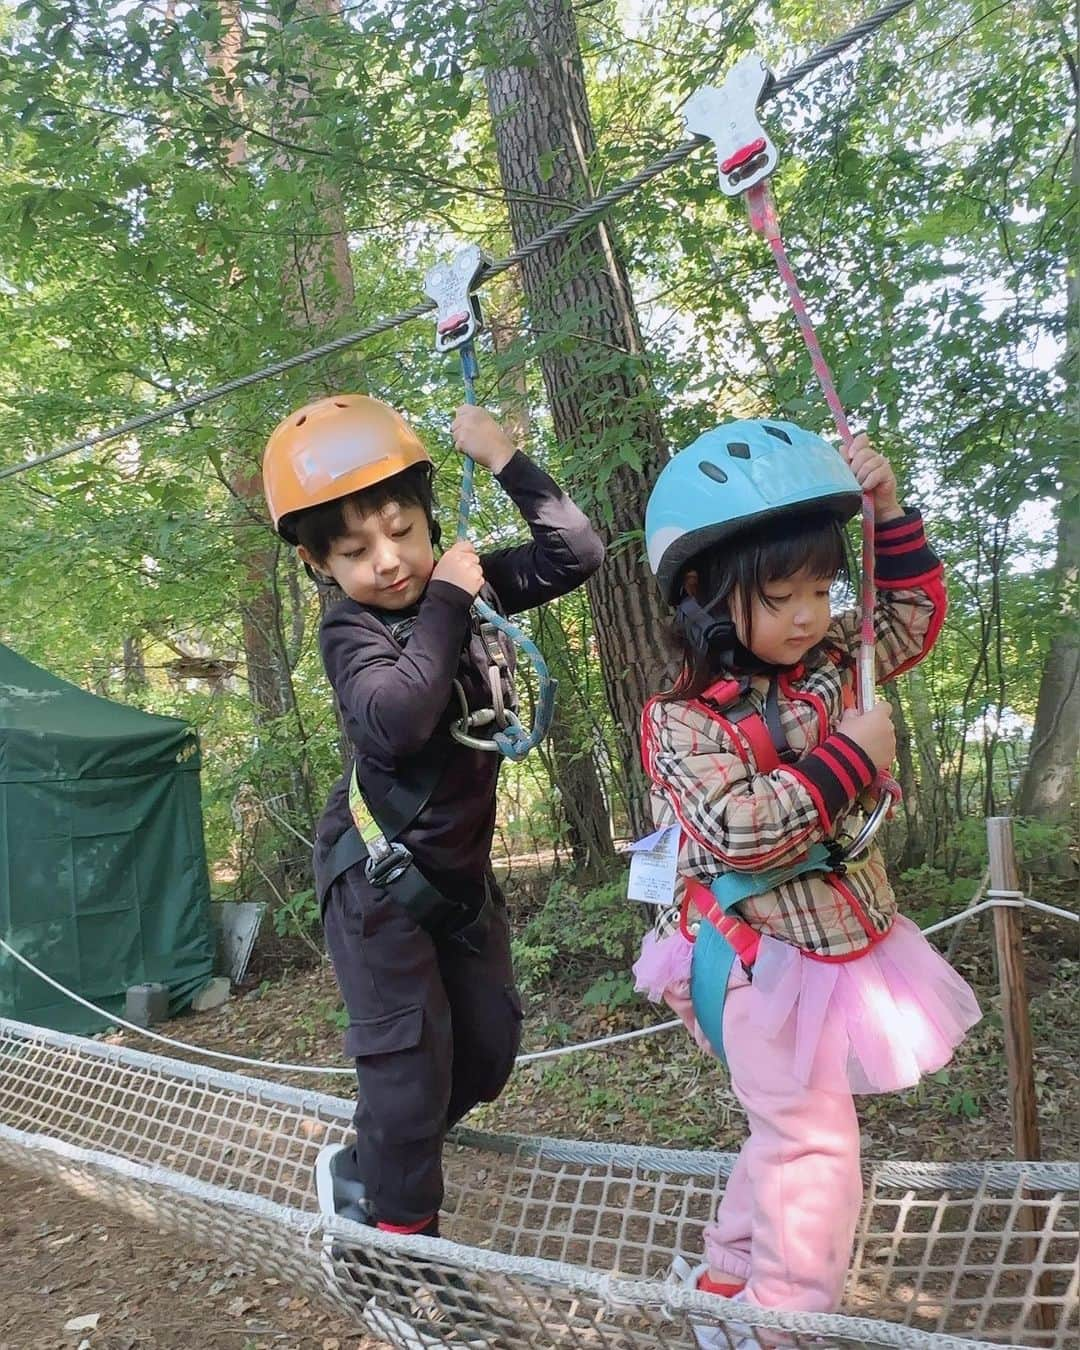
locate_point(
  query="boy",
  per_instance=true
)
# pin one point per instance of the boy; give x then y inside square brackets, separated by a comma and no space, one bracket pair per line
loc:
[421,948]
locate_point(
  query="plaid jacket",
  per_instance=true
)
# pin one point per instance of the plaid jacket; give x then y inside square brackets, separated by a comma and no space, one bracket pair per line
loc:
[735,818]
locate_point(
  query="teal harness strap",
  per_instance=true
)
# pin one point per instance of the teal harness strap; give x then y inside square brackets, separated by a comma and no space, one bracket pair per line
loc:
[714,956]
[733,887]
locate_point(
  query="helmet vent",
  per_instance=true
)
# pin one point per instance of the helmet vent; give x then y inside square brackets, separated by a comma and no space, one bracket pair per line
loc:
[712,471]
[779,433]
[738,450]
[301,420]
[339,404]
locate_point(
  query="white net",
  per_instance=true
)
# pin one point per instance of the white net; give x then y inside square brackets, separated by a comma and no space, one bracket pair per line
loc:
[551,1242]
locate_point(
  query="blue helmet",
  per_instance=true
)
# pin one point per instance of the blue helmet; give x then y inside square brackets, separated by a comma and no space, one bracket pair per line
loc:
[735,476]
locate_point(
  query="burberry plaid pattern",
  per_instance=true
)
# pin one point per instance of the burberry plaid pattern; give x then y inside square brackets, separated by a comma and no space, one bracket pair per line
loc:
[735,818]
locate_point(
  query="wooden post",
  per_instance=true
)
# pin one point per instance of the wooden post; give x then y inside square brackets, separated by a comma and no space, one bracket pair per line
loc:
[1019,1055]
[1008,940]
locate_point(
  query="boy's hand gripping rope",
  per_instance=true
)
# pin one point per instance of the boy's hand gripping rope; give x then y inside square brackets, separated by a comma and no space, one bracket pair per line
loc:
[458,321]
[746,157]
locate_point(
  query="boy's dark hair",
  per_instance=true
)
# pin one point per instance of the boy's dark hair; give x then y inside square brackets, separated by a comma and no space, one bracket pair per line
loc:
[319,526]
[749,563]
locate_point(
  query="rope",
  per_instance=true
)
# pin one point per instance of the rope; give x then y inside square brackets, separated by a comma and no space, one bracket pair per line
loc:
[511,740]
[1041,905]
[338,1070]
[1002,900]
[169,1040]
[469,372]
[969,913]
[584,215]
[764,221]
[593,1045]
[998,899]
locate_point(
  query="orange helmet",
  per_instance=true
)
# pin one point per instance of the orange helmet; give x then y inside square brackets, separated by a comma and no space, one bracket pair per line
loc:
[331,448]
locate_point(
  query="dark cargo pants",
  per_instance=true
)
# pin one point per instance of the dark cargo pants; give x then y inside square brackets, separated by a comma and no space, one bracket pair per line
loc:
[434,1029]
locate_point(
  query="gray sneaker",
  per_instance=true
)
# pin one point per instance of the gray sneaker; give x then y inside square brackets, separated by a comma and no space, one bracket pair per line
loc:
[341,1192]
[436,1314]
[428,1324]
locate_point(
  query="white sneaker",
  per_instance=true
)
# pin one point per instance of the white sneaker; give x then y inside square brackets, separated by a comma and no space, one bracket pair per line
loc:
[341,1196]
[730,1336]
[341,1193]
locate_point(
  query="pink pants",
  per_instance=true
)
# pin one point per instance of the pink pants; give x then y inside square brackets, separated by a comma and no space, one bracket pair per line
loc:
[787,1219]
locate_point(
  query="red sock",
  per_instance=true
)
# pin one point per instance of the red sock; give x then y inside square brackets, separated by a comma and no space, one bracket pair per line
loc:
[724,1288]
[428,1227]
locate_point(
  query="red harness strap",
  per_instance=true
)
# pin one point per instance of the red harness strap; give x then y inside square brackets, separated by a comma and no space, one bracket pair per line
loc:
[753,742]
[749,734]
[744,939]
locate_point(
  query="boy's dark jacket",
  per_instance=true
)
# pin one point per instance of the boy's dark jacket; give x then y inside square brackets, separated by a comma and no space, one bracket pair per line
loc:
[399,703]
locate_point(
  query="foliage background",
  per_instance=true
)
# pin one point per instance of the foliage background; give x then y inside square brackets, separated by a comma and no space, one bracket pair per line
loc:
[191,191]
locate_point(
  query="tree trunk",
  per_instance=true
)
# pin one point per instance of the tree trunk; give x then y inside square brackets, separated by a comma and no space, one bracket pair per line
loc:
[1048,791]
[317,284]
[933,797]
[913,851]
[581,792]
[597,387]
[134,666]
[286,793]
[582,799]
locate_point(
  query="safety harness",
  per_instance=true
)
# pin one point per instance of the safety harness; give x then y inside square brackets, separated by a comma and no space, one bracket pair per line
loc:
[374,837]
[707,915]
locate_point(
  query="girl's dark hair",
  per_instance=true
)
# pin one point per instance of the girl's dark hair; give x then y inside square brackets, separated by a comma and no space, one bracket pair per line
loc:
[749,563]
[318,526]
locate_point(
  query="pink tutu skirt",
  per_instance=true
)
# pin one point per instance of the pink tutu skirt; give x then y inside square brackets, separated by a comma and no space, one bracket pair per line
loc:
[877,1023]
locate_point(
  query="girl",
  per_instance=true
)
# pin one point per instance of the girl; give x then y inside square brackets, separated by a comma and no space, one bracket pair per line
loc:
[785,955]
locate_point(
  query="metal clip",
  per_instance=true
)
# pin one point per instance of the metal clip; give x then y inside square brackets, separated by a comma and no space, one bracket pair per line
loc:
[888,798]
[450,285]
[385,861]
[728,116]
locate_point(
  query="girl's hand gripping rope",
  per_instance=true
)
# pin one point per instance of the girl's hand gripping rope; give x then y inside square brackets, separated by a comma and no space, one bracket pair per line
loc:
[874,733]
[875,475]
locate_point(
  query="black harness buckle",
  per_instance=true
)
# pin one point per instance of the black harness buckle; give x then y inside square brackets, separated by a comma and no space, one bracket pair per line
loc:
[385,862]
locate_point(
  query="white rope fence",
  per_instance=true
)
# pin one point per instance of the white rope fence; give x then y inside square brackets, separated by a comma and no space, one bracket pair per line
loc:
[1002,900]
[996,899]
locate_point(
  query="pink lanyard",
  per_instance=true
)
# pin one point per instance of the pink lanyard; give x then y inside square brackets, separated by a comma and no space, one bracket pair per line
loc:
[763,219]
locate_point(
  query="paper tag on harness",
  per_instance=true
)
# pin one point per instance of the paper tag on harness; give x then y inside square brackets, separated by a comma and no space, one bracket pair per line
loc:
[652,867]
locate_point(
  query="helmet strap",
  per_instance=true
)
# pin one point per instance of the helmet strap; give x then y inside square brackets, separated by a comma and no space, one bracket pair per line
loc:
[710,630]
[321,580]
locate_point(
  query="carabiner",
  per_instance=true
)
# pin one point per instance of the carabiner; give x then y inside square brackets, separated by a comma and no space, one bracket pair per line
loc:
[888,796]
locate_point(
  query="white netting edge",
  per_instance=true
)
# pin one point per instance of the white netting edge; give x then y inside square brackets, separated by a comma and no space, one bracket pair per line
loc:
[622,1295]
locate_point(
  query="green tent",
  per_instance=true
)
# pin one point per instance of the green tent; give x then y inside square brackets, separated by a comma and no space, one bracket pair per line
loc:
[103,880]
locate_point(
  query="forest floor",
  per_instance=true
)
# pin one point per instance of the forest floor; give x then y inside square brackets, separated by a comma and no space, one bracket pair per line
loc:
[77,1276]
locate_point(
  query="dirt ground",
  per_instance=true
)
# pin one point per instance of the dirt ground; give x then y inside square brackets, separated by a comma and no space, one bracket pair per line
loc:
[76,1276]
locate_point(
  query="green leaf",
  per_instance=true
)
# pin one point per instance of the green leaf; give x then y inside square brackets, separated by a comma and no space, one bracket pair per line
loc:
[546,164]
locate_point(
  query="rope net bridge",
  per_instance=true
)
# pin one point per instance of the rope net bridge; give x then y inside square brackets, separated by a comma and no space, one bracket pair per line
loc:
[550,1242]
